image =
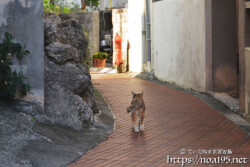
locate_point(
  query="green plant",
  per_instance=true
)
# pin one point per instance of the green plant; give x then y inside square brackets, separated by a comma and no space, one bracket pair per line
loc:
[100,55]
[59,6]
[11,82]
[33,119]
[88,59]
[48,6]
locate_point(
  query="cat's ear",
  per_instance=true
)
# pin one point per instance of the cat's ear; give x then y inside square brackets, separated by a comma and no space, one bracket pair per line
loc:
[142,93]
[133,93]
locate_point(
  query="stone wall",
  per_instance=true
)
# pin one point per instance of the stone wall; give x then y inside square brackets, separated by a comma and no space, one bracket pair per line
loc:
[23,19]
[69,100]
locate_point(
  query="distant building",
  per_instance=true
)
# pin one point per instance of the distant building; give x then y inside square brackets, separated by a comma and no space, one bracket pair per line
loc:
[71,2]
[115,4]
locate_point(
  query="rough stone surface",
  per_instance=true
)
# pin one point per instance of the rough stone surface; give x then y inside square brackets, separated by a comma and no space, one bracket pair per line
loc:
[26,143]
[62,29]
[69,111]
[59,52]
[73,77]
[16,124]
[69,98]
[66,145]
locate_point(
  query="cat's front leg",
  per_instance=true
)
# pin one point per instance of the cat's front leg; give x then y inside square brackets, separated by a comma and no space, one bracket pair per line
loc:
[135,121]
[142,117]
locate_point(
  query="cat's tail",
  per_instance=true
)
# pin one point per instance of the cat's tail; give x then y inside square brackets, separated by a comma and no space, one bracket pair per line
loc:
[131,109]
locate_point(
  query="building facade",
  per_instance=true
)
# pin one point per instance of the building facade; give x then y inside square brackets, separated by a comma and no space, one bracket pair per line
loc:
[198,44]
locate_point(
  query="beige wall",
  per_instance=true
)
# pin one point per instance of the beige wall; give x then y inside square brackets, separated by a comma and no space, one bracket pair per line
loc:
[90,24]
[178,42]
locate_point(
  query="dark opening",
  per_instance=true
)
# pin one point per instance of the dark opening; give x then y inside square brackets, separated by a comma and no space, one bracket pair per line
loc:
[106,35]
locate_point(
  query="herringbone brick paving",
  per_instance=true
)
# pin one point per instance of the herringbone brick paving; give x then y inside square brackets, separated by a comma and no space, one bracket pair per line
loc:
[175,120]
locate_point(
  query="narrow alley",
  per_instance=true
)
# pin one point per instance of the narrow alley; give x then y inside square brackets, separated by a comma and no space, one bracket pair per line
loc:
[177,125]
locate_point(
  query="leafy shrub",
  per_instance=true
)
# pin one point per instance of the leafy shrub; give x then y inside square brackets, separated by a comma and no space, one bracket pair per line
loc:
[100,55]
[11,82]
[88,60]
[59,6]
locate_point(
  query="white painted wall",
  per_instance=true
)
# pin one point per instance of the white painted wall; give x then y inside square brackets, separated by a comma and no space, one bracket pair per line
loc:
[136,36]
[178,42]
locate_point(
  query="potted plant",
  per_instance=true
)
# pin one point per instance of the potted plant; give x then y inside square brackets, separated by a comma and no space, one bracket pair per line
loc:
[100,58]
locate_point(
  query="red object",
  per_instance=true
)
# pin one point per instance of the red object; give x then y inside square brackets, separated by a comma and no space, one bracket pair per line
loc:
[118,50]
[99,62]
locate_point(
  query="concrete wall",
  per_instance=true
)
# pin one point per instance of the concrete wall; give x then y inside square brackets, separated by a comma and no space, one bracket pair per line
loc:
[178,42]
[90,24]
[120,26]
[23,19]
[136,36]
[224,46]
[104,4]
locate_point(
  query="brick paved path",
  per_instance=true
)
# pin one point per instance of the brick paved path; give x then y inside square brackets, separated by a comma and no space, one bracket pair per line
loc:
[174,120]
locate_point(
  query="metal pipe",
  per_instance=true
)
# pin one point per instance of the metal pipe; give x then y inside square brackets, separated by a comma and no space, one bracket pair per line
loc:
[148,35]
[110,2]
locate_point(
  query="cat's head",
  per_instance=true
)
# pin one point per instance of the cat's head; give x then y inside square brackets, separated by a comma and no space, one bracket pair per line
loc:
[137,94]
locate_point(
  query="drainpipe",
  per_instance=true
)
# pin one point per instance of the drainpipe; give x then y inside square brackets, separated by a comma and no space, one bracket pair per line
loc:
[110,2]
[148,35]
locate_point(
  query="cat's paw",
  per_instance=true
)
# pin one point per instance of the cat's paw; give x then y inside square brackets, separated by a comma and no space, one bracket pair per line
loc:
[136,128]
[142,127]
